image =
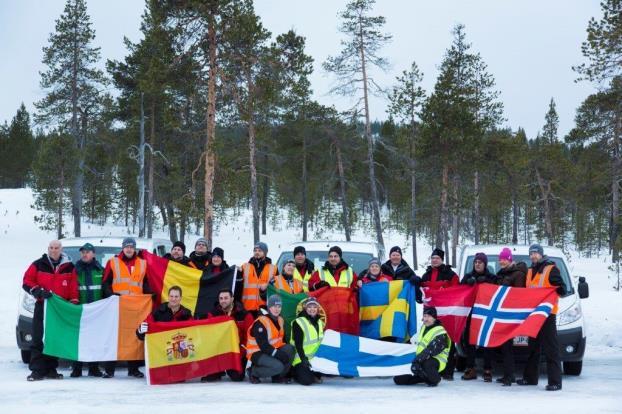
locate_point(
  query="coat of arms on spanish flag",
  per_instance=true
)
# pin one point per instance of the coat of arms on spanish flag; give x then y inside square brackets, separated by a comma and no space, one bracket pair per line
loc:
[179,351]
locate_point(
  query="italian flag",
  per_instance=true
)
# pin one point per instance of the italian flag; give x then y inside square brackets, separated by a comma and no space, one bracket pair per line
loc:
[100,331]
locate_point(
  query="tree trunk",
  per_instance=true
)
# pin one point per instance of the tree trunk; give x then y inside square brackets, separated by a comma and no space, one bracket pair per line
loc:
[444,207]
[182,228]
[61,197]
[615,191]
[455,231]
[172,222]
[370,150]
[210,136]
[78,184]
[141,171]
[413,195]
[342,189]
[514,214]
[252,158]
[545,189]
[264,198]
[476,213]
[151,186]
[305,188]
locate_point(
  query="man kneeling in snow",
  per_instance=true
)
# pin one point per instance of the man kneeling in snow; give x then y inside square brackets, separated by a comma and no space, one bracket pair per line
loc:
[432,351]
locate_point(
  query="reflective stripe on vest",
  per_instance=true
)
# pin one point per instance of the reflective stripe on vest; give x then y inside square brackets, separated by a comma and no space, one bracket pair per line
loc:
[312,338]
[124,282]
[250,293]
[303,279]
[275,337]
[541,280]
[346,281]
[282,284]
[424,341]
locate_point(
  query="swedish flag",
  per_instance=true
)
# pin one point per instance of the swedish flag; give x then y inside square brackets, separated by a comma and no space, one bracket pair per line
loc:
[388,310]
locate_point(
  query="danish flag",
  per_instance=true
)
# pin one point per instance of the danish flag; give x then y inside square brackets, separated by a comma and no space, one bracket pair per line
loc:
[501,313]
[453,306]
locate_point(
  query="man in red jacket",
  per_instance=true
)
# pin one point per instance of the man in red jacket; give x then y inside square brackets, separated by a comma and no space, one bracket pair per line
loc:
[52,273]
[335,272]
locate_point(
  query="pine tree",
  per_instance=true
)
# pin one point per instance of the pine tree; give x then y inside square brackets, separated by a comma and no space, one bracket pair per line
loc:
[551,123]
[19,149]
[352,68]
[73,85]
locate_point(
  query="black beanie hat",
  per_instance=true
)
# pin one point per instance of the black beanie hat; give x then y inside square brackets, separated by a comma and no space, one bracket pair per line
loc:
[218,252]
[396,249]
[337,250]
[430,311]
[438,252]
[180,244]
[299,249]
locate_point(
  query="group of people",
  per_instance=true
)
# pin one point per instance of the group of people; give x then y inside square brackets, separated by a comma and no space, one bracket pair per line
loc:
[260,325]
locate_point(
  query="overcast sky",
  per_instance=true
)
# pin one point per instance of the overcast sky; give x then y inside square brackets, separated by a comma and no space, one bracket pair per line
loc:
[529,45]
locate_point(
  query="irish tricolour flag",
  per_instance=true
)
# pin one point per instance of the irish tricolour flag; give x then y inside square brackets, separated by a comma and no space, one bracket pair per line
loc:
[100,331]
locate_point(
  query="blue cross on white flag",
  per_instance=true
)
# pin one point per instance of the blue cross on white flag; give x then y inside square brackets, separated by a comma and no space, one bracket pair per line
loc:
[349,355]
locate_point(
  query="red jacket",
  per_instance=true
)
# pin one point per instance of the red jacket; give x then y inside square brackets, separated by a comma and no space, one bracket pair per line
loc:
[365,278]
[62,279]
[439,277]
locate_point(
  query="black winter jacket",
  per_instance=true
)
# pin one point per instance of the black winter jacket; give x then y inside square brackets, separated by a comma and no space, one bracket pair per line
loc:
[403,271]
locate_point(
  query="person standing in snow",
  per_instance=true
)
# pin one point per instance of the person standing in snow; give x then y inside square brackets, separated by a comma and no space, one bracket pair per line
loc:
[257,273]
[286,281]
[304,267]
[441,276]
[544,273]
[201,256]
[514,275]
[335,272]
[432,352]
[53,273]
[125,275]
[373,273]
[90,273]
[178,254]
[478,275]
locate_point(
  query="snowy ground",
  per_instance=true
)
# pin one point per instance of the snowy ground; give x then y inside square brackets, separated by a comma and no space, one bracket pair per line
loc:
[596,390]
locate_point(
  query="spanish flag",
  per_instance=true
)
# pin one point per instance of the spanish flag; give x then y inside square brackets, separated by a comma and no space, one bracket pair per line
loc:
[178,351]
[388,310]
[200,290]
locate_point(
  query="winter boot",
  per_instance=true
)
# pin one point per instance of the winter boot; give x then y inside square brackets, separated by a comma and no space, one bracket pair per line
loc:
[554,387]
[76,373]
[35,376]
[487,375]
[135,373]
[95,372]
[469,374]
[53,374]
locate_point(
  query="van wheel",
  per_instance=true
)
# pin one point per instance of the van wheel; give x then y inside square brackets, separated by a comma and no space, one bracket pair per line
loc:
[25,357]
[573,367]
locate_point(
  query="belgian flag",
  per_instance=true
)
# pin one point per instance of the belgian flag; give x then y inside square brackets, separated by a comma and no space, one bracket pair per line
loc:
[199,289]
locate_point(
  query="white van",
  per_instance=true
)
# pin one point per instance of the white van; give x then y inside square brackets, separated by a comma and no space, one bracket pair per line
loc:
[105,248]
[356,254]
[570,320]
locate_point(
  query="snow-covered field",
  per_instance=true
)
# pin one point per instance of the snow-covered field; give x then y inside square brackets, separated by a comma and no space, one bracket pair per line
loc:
[596,390]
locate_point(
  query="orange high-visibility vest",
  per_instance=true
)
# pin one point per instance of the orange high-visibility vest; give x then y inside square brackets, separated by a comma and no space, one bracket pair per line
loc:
[124,282]
[282,284]
[541,280]
[275,336]
[250,293]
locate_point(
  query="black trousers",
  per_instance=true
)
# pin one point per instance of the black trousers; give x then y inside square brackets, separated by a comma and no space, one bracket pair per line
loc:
[546,342]
[304,376]
[428,374]
[39,362]
[471,350]
[110,366]
[508,359]
[77,365]
[451,362]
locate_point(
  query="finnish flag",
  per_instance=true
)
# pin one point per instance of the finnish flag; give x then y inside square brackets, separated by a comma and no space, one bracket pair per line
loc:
[349,355]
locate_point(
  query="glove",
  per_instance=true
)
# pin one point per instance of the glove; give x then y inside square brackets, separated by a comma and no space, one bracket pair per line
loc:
[144,326]
[481,279]
[41,293]
[415,280]
[282,356]
[470,281]
[305,363]
[321,284]
[415,367]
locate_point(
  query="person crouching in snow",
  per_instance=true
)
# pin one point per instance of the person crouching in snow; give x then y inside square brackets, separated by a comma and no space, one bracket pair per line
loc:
[432,352]
[307,334]
[266,346]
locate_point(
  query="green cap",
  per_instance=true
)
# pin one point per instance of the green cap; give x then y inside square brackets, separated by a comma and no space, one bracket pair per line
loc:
[87,246]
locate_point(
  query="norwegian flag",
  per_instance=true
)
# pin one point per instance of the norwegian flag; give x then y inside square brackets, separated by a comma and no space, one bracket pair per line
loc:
[501,313]
[453,306]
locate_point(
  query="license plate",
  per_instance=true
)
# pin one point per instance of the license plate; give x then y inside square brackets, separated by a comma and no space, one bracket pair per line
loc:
[521,341]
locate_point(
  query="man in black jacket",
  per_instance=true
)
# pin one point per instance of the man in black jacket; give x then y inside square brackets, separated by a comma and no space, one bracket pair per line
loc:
[544,273]
[396,266]
[171,311]
[433,346]
[201,256]
[178,254]
[480,274]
